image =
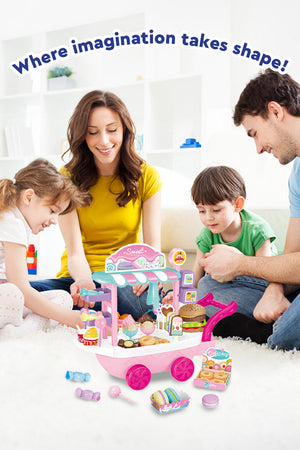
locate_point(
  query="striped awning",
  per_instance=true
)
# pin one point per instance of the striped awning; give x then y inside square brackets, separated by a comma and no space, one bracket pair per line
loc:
[133,277]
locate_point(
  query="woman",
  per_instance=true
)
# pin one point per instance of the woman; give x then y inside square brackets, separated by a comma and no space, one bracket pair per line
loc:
[123,192]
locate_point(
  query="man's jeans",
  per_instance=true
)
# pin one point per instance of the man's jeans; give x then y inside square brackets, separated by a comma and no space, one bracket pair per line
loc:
[246,292]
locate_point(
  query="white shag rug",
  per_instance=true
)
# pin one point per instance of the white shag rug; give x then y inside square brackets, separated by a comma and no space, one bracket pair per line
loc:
[39,410]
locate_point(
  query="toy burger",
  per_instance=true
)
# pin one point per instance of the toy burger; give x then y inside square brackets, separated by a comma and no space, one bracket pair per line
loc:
[90,337]
[193,316]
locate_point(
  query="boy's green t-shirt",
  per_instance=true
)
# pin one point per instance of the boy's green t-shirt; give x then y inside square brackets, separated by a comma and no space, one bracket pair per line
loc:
[255,231]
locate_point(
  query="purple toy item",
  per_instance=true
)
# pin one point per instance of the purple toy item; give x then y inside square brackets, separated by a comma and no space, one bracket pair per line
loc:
[87,394]
[115,391]
[210,400]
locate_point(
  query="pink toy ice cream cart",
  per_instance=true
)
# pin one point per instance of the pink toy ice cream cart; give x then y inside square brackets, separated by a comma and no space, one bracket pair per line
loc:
[164,350]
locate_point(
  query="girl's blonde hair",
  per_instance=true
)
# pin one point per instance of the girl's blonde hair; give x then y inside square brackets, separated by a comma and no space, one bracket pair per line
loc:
[46,182]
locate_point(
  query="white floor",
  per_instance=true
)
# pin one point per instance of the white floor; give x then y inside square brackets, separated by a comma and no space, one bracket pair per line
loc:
[39,410]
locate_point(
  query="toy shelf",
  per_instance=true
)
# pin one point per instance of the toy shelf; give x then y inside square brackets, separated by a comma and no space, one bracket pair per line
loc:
[165,105]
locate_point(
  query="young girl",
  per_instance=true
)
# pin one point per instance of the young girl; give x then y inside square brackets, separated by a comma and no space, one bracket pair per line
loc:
[123,194]
[30,204]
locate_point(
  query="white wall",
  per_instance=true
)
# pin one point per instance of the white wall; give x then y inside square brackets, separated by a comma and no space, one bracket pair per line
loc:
[269,26]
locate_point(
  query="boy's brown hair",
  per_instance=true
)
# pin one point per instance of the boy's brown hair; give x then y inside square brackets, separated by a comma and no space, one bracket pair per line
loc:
[216,184]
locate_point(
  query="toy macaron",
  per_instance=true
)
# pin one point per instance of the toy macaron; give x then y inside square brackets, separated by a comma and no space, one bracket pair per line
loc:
[172,395]
[160,397]
[169,400]
[210,400]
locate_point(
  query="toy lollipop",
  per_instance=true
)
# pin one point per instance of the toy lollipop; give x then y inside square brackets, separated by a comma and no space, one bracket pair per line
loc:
[115,391]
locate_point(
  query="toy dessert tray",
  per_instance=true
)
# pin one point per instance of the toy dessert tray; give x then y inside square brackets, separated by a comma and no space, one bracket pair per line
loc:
[170,407]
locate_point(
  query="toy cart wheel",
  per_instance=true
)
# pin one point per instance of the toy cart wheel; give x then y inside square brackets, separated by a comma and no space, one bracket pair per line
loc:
[182,369]
[138,377]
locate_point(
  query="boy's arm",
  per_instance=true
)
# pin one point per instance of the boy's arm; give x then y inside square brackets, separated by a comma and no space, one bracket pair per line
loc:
[198,269]
[264,249]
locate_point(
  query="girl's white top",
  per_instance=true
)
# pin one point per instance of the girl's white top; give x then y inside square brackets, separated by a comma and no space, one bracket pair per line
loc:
[13,228]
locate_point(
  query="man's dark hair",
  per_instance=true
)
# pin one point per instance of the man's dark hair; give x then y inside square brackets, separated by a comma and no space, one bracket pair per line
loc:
[267,87]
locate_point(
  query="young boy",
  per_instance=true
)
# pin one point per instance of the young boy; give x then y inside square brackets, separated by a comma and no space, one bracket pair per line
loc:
[219,194]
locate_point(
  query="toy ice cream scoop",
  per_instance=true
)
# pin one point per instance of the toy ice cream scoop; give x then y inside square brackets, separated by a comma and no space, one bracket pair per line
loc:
[90,337]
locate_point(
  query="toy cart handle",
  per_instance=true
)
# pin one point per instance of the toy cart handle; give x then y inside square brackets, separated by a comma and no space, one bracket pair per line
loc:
[225,310]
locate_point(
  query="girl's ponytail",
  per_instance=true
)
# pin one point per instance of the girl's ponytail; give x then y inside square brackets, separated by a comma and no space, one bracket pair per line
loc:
[8,194]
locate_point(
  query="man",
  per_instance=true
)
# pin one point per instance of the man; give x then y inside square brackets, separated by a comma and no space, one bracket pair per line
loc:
[269,110]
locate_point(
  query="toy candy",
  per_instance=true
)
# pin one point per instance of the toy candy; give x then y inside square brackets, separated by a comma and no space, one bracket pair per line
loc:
[78,376]
[87,394]
[115,391]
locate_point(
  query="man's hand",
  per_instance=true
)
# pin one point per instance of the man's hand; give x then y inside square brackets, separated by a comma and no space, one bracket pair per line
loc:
[272,304]
[75,292]
[222,262]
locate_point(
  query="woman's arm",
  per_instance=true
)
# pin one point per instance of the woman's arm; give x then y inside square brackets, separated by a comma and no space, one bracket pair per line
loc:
[151,223]
[16,273]
[77,263]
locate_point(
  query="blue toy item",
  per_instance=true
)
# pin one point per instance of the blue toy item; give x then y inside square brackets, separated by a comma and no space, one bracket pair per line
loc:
[77,376]
[190,143]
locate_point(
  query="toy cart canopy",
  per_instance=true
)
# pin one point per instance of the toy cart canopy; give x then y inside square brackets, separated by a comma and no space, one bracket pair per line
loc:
[122,279]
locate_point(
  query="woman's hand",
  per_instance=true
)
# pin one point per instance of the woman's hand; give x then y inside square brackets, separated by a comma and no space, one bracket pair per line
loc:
[75,292]
[138,289]
[168,298]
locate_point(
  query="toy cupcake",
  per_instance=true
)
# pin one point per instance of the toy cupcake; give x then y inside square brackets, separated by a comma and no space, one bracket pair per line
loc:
[90,337]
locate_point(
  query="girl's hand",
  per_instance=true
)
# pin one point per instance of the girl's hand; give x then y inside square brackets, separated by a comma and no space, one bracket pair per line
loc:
[75,292]
[75,321]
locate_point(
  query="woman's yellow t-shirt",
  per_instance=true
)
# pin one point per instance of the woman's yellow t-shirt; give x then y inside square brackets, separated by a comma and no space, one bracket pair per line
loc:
[105,226]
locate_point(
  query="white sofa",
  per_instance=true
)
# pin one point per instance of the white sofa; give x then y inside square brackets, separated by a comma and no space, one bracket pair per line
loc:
[180,225]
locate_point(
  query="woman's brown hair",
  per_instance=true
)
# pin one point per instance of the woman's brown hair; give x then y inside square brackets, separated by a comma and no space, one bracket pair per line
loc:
[46,182]
[82,168]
